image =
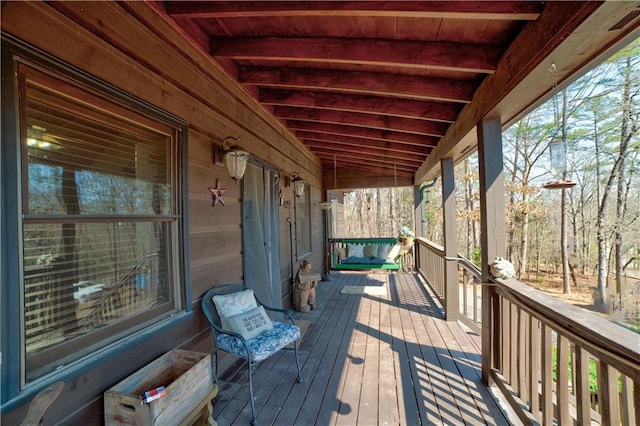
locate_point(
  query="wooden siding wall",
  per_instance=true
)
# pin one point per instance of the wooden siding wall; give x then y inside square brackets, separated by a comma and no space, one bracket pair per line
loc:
[132,47]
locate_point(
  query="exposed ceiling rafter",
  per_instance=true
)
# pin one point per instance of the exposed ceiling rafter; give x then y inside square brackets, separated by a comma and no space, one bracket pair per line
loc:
[495,10]
[404,83]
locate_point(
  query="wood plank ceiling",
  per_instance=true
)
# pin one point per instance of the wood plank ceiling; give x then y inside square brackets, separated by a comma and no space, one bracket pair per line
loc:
[369,86]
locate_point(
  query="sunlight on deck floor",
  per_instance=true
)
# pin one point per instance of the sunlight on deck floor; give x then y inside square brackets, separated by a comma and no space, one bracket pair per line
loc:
[367,360]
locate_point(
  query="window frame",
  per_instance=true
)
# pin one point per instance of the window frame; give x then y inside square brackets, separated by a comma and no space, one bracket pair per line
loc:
[15,390]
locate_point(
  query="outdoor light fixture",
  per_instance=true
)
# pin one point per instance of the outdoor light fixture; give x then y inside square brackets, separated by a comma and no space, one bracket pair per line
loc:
[298,183]
[234,158]
[326,205]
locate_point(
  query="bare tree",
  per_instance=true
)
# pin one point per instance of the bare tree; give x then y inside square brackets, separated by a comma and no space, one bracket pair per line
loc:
[528,142]
[628,128]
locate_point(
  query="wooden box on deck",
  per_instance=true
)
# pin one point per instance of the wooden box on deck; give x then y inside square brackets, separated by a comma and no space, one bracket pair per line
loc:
[187,378]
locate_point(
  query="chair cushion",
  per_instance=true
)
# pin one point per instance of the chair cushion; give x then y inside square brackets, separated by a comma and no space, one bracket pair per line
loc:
[251,323]
[383,251]
[355,250]
[369,251]
[232,304]
[264,344]
[395,251]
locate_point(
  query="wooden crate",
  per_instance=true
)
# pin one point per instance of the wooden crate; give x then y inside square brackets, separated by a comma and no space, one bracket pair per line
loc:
[187,377]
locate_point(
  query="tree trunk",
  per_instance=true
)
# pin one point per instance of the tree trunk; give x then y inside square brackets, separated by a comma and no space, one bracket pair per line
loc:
[566,287]
[584,250]
[524,240]
[469,206]
[626,131]
[511,207]
[537,250]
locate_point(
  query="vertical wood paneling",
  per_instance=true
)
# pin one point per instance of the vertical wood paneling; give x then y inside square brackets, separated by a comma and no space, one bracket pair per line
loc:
[505,318]
[608,393]
[534,367]
[465,295]
[492,221]
[513,346]
[451,286]
[496,329]
[636,399]
[627,412]
[562,381]
[477,307]
[153,62]
[581,372]
[524,355]
[547,376]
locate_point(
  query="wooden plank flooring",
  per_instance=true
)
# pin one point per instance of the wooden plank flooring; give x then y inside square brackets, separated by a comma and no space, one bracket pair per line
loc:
[367,360]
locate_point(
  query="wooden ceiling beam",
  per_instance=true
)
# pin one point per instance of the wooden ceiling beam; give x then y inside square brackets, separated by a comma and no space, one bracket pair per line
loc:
[394,158]
[490,10]
[364,143]
[383,167]
[408,108]
[395,85]
[362,132]
[374,121]
[462,57]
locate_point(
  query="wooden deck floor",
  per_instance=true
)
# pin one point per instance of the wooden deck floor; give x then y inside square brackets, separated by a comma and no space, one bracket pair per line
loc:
[367,360]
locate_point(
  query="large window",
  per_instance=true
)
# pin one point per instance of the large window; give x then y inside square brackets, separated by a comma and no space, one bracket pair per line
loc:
[101,219]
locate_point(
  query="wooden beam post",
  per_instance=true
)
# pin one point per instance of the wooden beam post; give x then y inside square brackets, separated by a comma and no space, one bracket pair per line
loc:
[450,240]
[418,220]
[418,210]
[492,230]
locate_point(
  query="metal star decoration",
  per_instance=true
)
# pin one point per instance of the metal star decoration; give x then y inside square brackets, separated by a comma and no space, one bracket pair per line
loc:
[217,193]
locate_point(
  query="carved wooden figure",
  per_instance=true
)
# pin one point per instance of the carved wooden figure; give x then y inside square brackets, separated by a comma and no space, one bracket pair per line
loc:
[304,288]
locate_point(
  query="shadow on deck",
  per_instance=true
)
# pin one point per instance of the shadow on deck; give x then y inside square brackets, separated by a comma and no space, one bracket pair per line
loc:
[368,359]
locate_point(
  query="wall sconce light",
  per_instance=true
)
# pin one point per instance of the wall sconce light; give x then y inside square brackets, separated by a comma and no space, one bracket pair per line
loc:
[326,205]
[298,183]
[233,157]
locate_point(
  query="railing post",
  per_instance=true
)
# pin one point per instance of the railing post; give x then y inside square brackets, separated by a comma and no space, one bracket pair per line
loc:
[451,284]
[492,227]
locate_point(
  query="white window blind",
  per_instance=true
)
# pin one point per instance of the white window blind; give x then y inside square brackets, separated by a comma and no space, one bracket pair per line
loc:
[100,220]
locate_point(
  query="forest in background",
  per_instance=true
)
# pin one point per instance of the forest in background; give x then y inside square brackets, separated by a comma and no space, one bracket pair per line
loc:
[590,230]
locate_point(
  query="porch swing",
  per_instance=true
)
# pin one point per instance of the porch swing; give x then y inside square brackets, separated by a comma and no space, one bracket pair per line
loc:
[358,254]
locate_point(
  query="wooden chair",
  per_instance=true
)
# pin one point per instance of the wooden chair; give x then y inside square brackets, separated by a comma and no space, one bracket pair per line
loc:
[230,306]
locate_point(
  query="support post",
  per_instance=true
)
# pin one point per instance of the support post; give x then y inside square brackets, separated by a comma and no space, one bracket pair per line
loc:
[418,220]
[492,230]
[451,285]
[418,210]
[327,208]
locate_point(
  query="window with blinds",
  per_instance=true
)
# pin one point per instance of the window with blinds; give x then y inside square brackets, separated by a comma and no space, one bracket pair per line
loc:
[101,220]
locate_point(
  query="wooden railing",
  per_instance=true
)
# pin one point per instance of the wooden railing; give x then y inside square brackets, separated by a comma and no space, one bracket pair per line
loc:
[429,258]
[553,362]
[430,262]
